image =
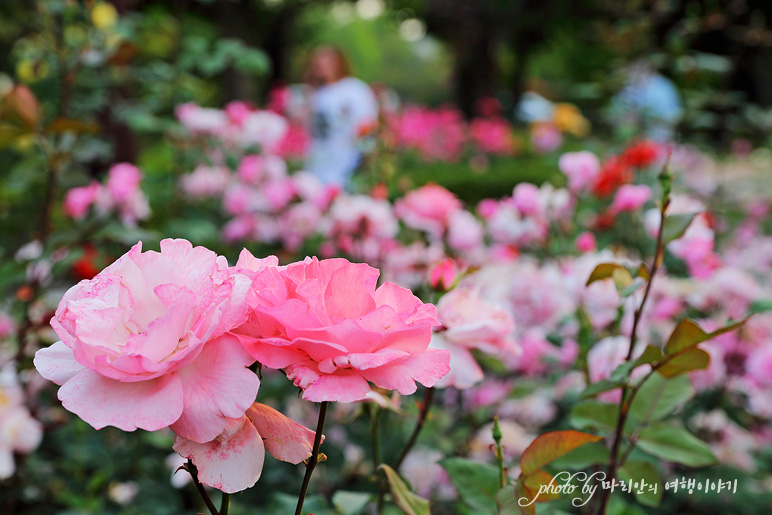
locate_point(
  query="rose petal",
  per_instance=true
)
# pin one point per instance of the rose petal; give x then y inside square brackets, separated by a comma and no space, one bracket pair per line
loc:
[231,463]
[149,405]
[217,385]
[57,363]
[284,438]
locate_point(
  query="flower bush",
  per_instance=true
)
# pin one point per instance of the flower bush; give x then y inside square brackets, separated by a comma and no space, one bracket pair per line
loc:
[595,321]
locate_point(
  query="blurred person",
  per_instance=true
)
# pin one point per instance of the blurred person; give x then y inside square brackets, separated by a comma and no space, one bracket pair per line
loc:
[649,101]
[342,107]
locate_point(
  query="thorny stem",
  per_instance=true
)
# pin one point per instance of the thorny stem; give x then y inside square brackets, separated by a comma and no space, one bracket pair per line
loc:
[625,403]
[202,492]
[427,404]
[314,459]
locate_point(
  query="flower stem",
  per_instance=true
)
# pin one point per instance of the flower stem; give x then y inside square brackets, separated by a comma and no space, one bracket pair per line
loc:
[225,504]
[314,459]
[202,492]
[375,436]
[499,452]
[427,404]
[625,403]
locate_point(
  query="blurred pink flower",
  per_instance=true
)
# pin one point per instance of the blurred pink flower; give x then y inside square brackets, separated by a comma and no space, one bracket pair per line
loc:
[630,197]
[585,242]
[581,168]
[428,208]
[78,200]
[493,135]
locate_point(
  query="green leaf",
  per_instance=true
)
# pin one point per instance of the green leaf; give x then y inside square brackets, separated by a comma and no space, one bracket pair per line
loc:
[660,396]
[408,501]
[675,444]
[604,271]
[350,503]
[477,483]
[594,415]
[506,501]
[583,457]
[643,471]
[633,286]
[760,306]
[550,446]
[675,226]
[651,354]
[601,386]
[692,359]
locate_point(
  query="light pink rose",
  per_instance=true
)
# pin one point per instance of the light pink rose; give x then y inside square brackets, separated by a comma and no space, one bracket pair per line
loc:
[630,197]
[470,322]
[545,137]
[144,344]
[527,200]
[428,208]
[474,322]
[205,181]
[78,200]
[201,120]
[233,461]
[581,168]
[465,232]
[333,331]
[19,431]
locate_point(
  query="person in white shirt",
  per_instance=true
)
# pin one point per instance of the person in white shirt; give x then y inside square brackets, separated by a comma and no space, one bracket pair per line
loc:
[341,107]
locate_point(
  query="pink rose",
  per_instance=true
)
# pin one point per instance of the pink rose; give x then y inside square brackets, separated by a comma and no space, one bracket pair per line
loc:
[78,200]
[581,168]
[144,344]
[238,111]
[630,197]
[443,275]
[333,331]
[123,181]
[428,208]
[585,242]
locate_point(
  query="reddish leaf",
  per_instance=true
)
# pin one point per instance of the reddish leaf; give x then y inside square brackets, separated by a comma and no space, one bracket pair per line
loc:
[533,481]
[23,103]
[551,446]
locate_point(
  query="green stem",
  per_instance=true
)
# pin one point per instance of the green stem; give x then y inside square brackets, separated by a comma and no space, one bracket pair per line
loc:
[314,459]
[625,403]
[499,453]
[427,404]
[225,505]
[375,436]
